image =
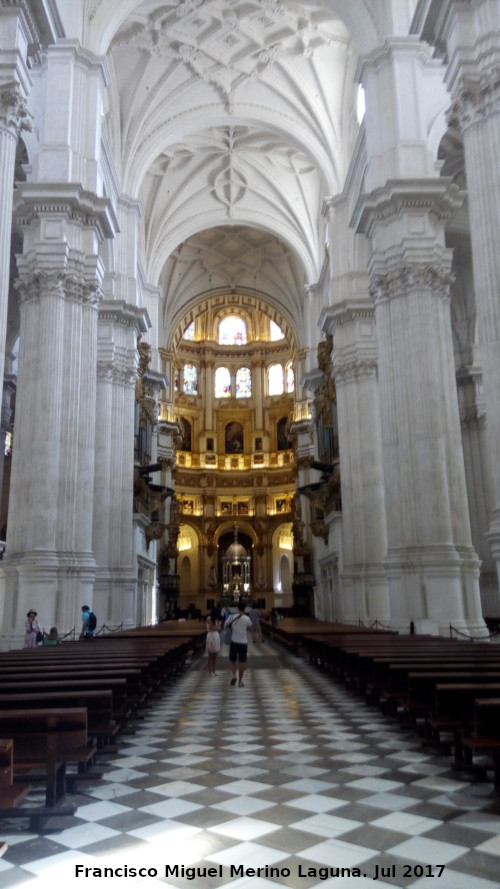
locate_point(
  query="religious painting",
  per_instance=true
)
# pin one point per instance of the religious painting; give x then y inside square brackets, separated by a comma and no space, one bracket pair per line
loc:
[185,434]
[282,435]
[234,438]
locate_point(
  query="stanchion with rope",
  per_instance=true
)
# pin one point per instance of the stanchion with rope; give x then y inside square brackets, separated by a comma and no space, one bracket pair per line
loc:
[108,629]
[471,638]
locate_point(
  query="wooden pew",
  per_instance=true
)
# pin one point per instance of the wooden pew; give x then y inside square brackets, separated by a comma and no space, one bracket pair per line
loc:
[135,692]
[118,687]
[99,704]
[48,739]
[485,737]
[10,794]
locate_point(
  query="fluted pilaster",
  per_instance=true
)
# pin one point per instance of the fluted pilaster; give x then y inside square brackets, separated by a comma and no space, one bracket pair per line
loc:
[352,326]
[115,584]
[475,113]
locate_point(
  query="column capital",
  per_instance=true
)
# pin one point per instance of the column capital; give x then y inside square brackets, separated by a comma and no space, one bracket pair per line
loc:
[396,277]
[69,274]
[14,115]
[477,97]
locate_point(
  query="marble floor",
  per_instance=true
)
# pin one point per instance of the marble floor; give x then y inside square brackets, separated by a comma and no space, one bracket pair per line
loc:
[290,780]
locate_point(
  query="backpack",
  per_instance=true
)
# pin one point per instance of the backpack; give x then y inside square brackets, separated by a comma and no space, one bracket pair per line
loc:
[92,621]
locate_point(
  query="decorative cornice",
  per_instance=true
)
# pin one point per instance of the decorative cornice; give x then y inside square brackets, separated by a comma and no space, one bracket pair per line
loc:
[125,314]
[440,198]
[346,312]
[34,201]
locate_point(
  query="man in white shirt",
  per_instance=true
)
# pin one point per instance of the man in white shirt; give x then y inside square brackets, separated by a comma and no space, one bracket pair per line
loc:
[240,624]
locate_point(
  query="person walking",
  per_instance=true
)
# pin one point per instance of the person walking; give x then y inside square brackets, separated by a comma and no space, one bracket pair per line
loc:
[88,623]
[212,644]
[256,627]
[238,647]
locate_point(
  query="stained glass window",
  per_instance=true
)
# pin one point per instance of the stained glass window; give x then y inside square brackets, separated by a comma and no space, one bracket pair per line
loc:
[232,331]
[222,383]
[190,379]
[189,332]
[290,378]
[275,379]
[243,382]
[276,332]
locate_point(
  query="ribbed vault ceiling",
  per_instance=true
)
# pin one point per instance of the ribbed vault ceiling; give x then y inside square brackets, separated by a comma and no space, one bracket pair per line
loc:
[232,120]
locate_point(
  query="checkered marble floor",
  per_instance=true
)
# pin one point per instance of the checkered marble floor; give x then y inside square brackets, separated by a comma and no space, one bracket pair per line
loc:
[289,774]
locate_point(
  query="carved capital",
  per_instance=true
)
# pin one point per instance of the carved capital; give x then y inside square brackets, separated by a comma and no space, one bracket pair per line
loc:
[478,99]
[118,374]
[353,371]
[74,278]
[14,114]
[399,280]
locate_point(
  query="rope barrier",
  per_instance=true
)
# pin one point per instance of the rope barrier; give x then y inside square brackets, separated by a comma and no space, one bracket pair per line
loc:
[470,637]
[109,629]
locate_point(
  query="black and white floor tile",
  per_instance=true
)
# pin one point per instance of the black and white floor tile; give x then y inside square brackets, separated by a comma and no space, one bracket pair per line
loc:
[291,775]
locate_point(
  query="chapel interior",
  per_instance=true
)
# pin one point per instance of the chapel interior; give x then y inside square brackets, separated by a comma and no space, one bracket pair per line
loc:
[249,301]
[250,330]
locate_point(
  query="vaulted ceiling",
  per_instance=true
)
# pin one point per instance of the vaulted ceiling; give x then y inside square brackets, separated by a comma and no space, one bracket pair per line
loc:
[232,120]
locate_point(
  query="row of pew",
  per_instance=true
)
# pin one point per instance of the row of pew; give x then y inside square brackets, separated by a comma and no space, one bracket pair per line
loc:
[447,689]
[63,708]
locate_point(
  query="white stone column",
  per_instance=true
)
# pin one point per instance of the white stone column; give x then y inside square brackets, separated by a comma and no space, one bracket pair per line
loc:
[116,574]
[365,592]
[15,83]
[478,471]
[472,33]
[208,372]
[49,555]
[258,389]
[432,568]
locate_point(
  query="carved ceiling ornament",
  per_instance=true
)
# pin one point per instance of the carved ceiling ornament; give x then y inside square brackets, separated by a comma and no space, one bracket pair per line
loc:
[225,45]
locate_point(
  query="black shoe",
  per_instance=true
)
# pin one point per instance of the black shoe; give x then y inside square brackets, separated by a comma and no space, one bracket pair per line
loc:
[233,682]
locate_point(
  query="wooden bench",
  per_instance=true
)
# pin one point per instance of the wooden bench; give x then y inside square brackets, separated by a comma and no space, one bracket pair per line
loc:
[485,738]
[99,704]
[10,794]
[118,687]
[49,740]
